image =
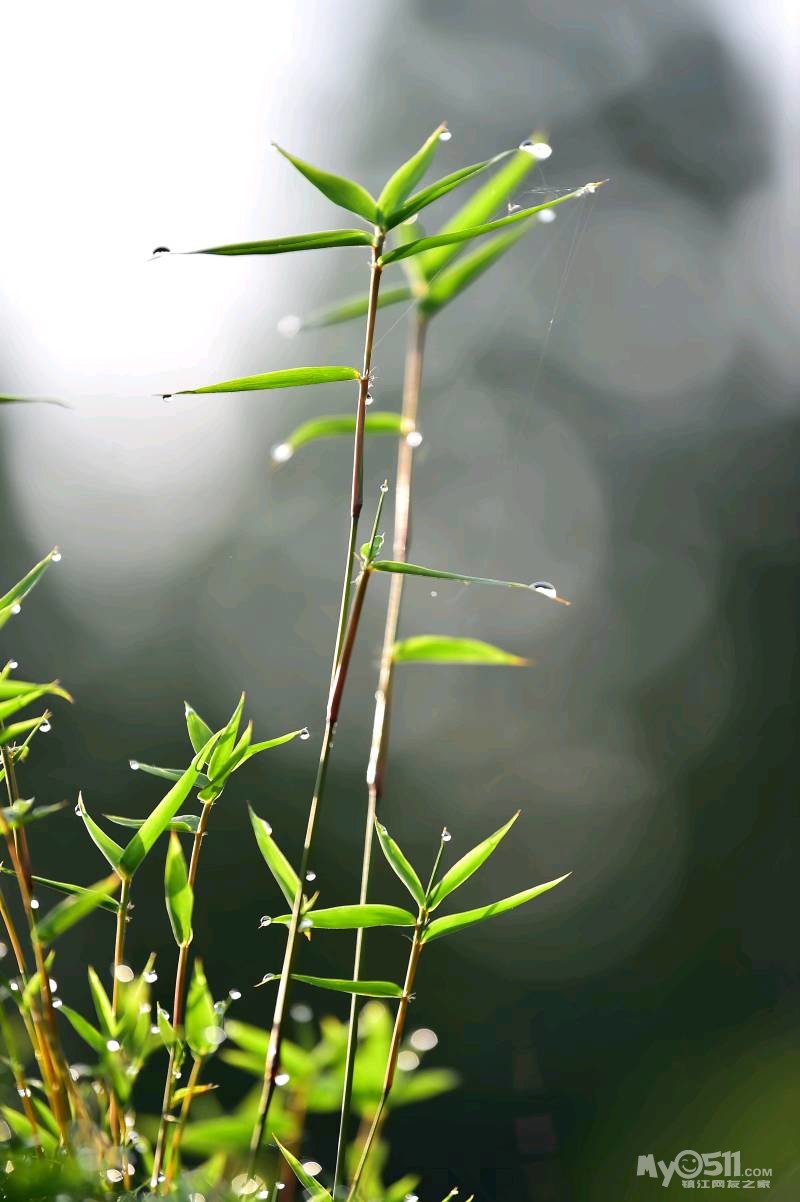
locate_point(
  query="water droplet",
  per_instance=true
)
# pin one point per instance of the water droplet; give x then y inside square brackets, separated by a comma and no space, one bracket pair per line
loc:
[411,1198]
[78,808]
[547,216]
[301,1013]
[161,250]
[134,764]
[24,1092]
[144,1008]
[57,1003]
[312,1168]
[544,587]
[280,1185]
[445,135]
[215,1035]
[434,593]
[385,487]
[124,973]
[234,994]
[45,727]
[370,399]
[151,977]
[281,452]
[176,1074]
[34,903]
[13,665]
[282,1079]
[424,1039]
[414,439]
[306,924]
[305,733]
[538,150]
[290,325]
[267,977]
[407,1061]
[264,921]
[512,208]
[14,987]
[311,876]
[446,836]
[55,557]
[154,1029]
[16,609]
[3,951]
[53,985]
[114,1174]
[113,1045]
[245,1186]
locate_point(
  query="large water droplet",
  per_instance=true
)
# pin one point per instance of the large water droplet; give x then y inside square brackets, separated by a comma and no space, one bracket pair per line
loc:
[34,903]
[446,836]
[290,325]
[134,765]
[305,733]
[301,1013]
[265,921]
[16,609]
[55,557]
[445,135]
[538,150]
[414,439]
[547,216]
[407,1061]
[281,452]
[312,1168]
[234,994]
[124,973]
[369,399]
[113,1045]
[151,977]
[311,876]
[45,727]
[13,665]
[424,1039]
[282,1079]
[544,587]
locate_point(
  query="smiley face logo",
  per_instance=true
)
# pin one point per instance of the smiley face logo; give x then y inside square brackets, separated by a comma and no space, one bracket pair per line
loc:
[688,1163]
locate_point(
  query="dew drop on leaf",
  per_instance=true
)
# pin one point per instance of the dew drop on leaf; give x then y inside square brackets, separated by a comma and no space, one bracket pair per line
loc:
[414,439]
[545,588]
[445,135]
[281,452]
[446,836]
[311,876]
[305,733]
[547,216]
[45,727]
[265,921]
[134,765]
[289,326]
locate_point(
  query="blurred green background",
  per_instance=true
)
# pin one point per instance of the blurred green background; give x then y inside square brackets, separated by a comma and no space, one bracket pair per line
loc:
[611,409]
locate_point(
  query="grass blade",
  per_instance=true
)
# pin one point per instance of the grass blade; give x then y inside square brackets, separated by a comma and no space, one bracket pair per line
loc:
[452,282]
[89,1034]
[400,865]
[333,426]
[413,569]
[351,918]
[446,649]
[356,306]
[199,731]
[102,1005]
[279,866]
[342,191]
[293,377]
[463,869]
[468,918]
[111,850]
[178,892]
[421,200]
[72,909]
[109,903]
[201,1016]
[21,589]
[294,242]
[407,176]
[360,988]
[13,688]
[182,824]
[317,1192]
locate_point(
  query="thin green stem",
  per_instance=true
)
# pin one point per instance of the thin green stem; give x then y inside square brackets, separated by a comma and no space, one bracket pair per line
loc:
[380,726]
[116,1120]
[188,1098]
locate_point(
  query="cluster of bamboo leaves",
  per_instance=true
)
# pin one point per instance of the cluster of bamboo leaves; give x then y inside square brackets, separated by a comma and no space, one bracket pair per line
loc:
[352,1068]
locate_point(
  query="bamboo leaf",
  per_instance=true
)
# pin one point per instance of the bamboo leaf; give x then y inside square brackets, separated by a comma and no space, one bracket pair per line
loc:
[286,877]
[14,688]
[400,864]
[109,903]
[446,649]
[450,283]
[463,869]
[413,569]
[361,988]
[268,744]
[199,731]
[102,1005]
[10,734]
[294,242]
[317,1192]
[456,922]
[33,400]
[162,773]
[407,176]
[292,377]
[182,824]
[350,918]
[22,812]
[342,191]
[157,822]
[440,188]
[110,849]
[354,307]
[201,1018]
[22,1129]
[226,741]
[14,704]
[20,590]
[334,425]
[178,892]
[72,909]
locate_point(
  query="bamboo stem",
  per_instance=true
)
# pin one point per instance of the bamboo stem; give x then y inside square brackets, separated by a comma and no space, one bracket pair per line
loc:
[175,1146]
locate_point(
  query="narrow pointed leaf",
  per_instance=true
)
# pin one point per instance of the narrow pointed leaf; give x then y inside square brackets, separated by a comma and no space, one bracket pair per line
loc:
[342,191]
[21,1127]
[468,918]
[268,744]
[413,569]
[350,918]
[108,903]
[476,231]
[400,864]
[182,824]
[420,200]
[201,1018]
[70,911]
[226,741]
[21,589]
[110,849]
[356,307]
[292,377]
[335,425]
[23,813]
[178,892]
[102,1005]
[407,176]
[10,687]
[294,242]
[33,400]
[452,281]
[446,649]
[154,770]
[11,733]
[157,822]
[14,704]
[463,869]
[317,1192]
[286,877]
[199,731]
[361,988]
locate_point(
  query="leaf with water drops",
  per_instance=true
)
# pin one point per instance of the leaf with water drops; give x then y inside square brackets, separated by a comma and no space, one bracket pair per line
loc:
[336,425]
[452,281]
[406,177]
[294,242]
[162,773]
[72,909]
[468,864]
[447,649]
[400,865]
[413,569]
[111,850]
[11,601]
[342,191]
[360,988]
[202,1021]
[107,903]
[292,377]
[10,734]
[421,200]
[350,309]
[468,918]
[316,1192]
[420,245]
[178,893]
[351,918]
[182,824]
[286,877]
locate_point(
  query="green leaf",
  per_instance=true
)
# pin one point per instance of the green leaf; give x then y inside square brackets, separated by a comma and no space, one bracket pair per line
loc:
[22,1129]
[183,824]
[178,892]
[200,1014]
[400,864]
[279,866]
[317,1192]
[199,731]
[14,704]
[440,188]
[476,231]
[354,307]
[33,400]
[165,1028]
[109,903]
[22,812]
[350,918]
[446,649]
[154,770]
[102,1005]
[333,425]
[14,688]
[344,192]
[450,283]
[456,922]
[20,590]
[463,869]
[294,242]
[226,741]
[10,733]
[481,206]
[70,911]
[111,850]
[407,176]
[292,377]
[413,569]
[157,822]
[361,988]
